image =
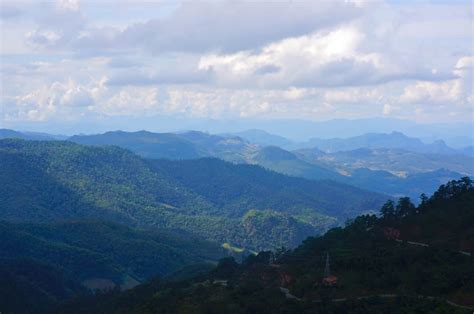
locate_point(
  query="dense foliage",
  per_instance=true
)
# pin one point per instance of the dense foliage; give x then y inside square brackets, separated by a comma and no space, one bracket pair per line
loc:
[376,271]
[30,286]
[392,164]
[48,260]
[44,181]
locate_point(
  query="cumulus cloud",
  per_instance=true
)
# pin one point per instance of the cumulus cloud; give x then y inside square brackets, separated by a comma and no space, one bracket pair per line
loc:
[318,60]
[237,25]
[195,27]
[458,91]
[58,25]
[322,59]
[43,38]
[68,5]
[50,100]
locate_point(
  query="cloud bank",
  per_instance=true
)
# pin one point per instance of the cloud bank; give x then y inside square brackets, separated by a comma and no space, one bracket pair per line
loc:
[231,59]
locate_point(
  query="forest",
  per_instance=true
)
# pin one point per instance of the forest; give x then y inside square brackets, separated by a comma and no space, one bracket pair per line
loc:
[58,180]
[377,271]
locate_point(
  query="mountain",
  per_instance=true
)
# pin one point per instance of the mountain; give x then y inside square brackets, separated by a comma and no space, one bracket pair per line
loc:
[457,142]
[293,129]
[396,161]
[392,171]
[185,145]
[233,189]
[54,181]
[349,167]
[29,286]
[7,133]
[42,264]
[409,260]
[379,140]
[146,144]
[262,138]
[230,148]
[283,161]
[360,170]
[89,251]
[412,185]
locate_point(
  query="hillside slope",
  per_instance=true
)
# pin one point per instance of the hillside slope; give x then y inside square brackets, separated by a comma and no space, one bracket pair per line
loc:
[369,269]
[392,170]
[42,264]
[53,181]
[94,249]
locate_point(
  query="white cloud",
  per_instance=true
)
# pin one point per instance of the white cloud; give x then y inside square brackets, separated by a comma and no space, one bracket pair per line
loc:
[315,60]
[131,101]
[42,38]
[457,92]
[47,101]
[322,59]
[68,5]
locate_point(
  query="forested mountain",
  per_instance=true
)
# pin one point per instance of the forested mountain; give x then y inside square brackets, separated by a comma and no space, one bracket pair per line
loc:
[280,160]
[53,181]
[373,265]
[77,217]
[187,145]
[7,133]
[235,188]
[44,263]
[263,138]
[146,144]
[392,171]
[104,250]
[316,165]
[379,140]
[29,286]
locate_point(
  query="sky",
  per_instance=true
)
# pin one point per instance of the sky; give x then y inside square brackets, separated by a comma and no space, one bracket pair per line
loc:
[73,61]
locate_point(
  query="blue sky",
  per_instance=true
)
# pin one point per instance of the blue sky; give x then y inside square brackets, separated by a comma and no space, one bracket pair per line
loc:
[76,61]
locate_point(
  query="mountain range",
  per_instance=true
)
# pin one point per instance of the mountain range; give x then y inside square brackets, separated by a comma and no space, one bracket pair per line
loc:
[457,135]
[396,171]
[44,181]
[113,210]
[392,164]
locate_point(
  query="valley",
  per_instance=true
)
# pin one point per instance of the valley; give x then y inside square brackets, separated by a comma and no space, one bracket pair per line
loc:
[113,212]
[372,270]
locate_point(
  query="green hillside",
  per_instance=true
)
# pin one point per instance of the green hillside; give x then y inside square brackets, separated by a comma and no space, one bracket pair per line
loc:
[93,249]
[53,181]
[391,164]
[375,271]
[146,144]
[238,188]
[43,264]
[30,286]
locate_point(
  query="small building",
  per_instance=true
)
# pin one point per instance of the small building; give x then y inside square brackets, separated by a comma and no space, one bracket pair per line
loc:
[330,280]
[391,233]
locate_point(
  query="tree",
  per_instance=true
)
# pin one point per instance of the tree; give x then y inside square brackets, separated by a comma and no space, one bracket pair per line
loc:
[405,207]
[226,267]
[388,210]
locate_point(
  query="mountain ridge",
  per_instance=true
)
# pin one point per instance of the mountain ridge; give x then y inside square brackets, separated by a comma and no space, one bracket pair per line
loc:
[204,196]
